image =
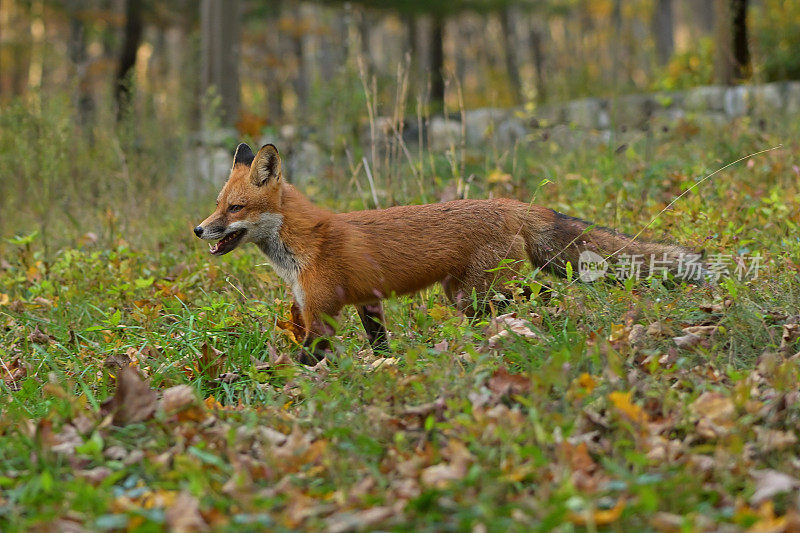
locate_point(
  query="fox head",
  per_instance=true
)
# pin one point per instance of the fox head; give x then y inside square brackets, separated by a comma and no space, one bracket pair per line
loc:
[248,206]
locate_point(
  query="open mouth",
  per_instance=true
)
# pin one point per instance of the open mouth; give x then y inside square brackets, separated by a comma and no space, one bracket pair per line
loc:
[227,243]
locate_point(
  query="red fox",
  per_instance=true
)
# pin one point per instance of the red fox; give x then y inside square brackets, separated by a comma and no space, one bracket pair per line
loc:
[334,259]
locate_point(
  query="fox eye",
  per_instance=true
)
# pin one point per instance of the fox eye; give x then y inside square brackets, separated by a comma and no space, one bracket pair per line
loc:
[235,208]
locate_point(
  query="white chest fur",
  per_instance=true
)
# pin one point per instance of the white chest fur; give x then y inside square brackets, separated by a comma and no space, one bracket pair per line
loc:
[266,235]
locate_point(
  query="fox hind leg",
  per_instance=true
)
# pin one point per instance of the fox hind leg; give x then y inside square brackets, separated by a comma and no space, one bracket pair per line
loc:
[372,319]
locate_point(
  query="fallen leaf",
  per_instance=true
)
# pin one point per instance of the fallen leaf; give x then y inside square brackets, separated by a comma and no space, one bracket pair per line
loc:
[701,331]
[358,521]
[177,397]
[383,362]
[96,475]
[211,361]
[37,336]
[599,517]
[228,377]
[622,402]
[716,414]
[292,330]
[791,332]
[133,401]
[503,383]
[657,329]
[183,516]
[506,325]
[716,308]
[687,341]
[637,335]
[770,483]
[773,439]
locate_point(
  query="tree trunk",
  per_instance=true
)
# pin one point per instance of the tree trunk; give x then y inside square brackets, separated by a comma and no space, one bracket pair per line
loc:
[127,56]
[724,66]
[220,26]
[537,51]
[437,63]
[78,56]
[301,79]
[741,48]
[663,27]
[508,23]
[703,11]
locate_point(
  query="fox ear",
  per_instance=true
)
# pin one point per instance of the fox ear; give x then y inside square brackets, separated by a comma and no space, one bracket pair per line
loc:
[267,166]
[243,155]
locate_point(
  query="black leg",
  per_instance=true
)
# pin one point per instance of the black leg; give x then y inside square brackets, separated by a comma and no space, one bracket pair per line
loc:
[371,316]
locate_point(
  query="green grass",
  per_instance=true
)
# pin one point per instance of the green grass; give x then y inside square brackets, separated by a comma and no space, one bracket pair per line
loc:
[560,450]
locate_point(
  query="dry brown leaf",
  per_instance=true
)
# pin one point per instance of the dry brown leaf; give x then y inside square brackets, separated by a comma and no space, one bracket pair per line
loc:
[716,308]
[458,459]
[774,440]
[117,361]
[599,517]
[701,331]
[667,522]
[229,377]
[357,521]
[657,329]
[442,474]
[383,363]
[211,361]
[506,325]
[441,346]
[687,341]
[770,483]
[96,475]
[791,332]
[183,516]
[133,400]
[502,382]
[716,414]
[176,398]
[37,336]
[622,401]
[637,335]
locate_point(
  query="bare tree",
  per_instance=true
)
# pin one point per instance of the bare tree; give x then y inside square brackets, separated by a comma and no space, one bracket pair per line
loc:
[733,51]
[741,48]
[127,56]
[220,22]
[663,27]
[508,19]
[437,61]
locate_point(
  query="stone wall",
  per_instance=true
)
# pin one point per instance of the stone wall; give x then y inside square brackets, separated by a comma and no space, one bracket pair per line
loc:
[573,123]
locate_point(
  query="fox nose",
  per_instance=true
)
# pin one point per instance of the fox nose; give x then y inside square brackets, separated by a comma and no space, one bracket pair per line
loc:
[198,231]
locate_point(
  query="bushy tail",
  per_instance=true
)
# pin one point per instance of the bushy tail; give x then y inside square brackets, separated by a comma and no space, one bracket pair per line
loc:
[595,251]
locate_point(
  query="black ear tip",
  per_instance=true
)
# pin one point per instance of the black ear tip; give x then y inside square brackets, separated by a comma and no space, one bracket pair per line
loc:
[243,154]
[270,147]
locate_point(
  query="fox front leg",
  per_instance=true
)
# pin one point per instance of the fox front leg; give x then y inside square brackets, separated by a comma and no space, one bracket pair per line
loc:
[315,344]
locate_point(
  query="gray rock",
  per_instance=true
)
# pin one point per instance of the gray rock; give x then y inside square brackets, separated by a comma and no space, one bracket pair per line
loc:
[509,132]
[702,99]
[480,123]
[443,133]
[792,94]
[546,115]
[305,161]
[585,113]
[768,97]
[632,111]
[737,101]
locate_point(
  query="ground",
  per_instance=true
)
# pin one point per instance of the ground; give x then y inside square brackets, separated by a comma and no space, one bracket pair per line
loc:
[150,386]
